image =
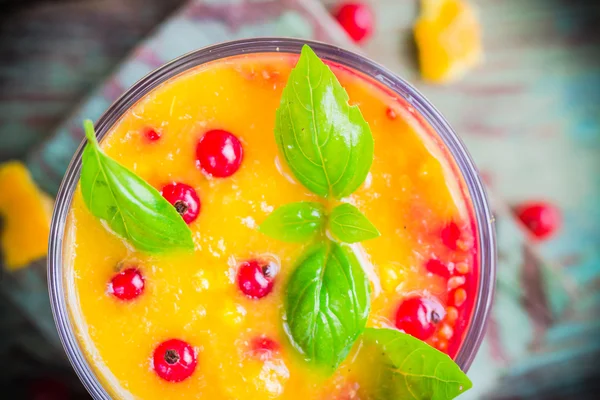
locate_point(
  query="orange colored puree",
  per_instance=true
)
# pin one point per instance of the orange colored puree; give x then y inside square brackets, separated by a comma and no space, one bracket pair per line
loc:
[412,193]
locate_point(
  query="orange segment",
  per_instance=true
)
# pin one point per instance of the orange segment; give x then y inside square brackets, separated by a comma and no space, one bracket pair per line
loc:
[25,213]
[448,36]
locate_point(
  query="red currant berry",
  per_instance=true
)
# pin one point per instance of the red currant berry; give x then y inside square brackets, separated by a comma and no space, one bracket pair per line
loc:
[151,134]
[418,316]
[255,278]
[451,235]
[174,360]
[437,267]
[219,153]
[127,284]
[391,113]
[263,347]
[357,20]
[541,218]
[184,199]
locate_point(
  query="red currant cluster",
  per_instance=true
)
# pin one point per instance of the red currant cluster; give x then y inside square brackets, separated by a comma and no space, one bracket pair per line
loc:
[218,154]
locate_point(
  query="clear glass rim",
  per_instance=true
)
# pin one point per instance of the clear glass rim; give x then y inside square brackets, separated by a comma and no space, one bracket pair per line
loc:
[466,166]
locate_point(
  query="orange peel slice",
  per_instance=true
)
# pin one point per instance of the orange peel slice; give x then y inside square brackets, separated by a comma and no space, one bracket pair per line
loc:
[25,212]
[448,36]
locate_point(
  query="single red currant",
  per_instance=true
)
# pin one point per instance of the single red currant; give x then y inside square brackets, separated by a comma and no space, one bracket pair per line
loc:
[151,134]
[174,360]
[391,113]
[451,235]
[264,347]
[418,316]
[255,278]
[437,267]
[219,153]
[541,218]
[357,20]
[184,199]
[127,284]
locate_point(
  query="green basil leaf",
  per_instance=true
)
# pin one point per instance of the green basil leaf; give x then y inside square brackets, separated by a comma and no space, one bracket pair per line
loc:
[399,366]
[326,305]
[349,225]
[327,143]
[295,222]
[131,207]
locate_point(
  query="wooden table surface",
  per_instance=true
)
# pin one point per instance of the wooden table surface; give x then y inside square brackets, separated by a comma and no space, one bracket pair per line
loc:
[530,115]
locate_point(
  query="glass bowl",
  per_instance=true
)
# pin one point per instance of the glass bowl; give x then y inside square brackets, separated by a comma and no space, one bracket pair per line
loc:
[422,107]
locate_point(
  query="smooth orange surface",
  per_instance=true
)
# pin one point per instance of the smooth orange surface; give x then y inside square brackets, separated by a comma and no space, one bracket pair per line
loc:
[25,213]
[194,297]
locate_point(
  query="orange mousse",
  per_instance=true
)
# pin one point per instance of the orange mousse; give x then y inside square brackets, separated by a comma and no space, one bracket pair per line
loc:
[125,304]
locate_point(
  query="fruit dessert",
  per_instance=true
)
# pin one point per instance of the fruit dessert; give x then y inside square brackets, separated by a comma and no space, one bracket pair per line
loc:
[270,226]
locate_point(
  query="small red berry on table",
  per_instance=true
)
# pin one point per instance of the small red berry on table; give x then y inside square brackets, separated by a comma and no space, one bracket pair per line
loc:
[356,18]
[542,219]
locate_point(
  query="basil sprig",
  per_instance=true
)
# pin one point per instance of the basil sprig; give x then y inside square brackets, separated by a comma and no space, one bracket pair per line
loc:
[349,225]
[327,143]
[295,222]
[131,207]
[399,366]
[327,304]
[328,146]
